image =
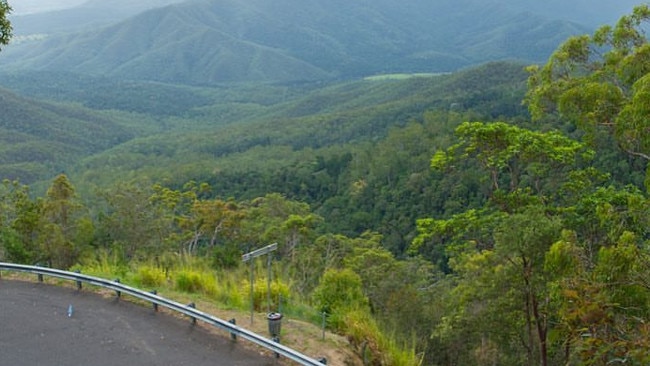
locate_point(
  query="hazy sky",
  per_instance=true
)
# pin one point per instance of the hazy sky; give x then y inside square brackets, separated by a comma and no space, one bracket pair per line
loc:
[35,6]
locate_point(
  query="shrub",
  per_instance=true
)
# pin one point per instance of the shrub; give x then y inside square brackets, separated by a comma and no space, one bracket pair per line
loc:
[104,264]
[229,291]
[193,281]
[338,293]
[149,276]
[260,291]
[376,346]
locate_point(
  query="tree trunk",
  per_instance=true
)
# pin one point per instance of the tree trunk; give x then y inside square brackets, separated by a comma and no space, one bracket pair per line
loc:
[529,320]
[541,331]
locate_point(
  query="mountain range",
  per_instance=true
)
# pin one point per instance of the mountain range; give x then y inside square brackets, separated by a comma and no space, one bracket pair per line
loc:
[81,17]
[214,41]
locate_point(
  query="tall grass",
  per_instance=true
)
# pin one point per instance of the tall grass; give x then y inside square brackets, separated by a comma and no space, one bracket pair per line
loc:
[229,293]
[261,298]
[377,346]
[105,264]
[196,281]
[149,276]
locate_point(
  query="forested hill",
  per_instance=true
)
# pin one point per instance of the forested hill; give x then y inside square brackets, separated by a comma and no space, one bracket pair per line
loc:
[88,115]
[207,41]
[38,139]
[358,152]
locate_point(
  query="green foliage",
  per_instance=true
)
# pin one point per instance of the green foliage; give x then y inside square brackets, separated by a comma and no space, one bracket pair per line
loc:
[13,249]
[339,293]
[20,219]
[280,291]
[5,24]
[195,281]
[374,345]
[601,92]
[41,139]
[510,243]
[345,149]
[150,276]
[520,158]
[105,264]
[563,258]
[101,93]
[441,240]
[622,267]
[66,233]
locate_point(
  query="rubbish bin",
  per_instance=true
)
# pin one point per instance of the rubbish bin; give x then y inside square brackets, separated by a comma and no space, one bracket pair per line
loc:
[275,323]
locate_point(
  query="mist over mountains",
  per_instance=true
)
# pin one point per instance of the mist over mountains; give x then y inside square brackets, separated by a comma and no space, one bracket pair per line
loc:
[587,12]
[83,16]
[214,41]
[24,7]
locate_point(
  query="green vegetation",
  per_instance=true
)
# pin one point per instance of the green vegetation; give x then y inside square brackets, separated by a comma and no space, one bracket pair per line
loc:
[431,219]
[5,24]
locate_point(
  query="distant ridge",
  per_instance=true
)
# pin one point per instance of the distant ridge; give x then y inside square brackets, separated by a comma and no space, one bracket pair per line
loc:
[89,14]
[213,41]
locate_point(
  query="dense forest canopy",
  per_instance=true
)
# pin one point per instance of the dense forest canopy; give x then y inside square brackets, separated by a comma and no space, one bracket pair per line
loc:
[435,220]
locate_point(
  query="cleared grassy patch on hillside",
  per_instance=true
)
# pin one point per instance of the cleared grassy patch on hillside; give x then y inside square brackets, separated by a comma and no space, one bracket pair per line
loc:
[402,76]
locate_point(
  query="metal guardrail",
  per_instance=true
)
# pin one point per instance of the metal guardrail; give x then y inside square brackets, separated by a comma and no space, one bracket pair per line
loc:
[156,300]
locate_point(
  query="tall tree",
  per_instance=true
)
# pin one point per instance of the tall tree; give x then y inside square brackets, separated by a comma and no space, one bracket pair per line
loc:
[601,83]
[128,224]
[65,231]
[5,25]
[20,219]
[496,254]
[519,162]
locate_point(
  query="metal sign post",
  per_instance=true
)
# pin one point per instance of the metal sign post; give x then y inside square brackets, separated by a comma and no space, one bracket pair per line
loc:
[248,257]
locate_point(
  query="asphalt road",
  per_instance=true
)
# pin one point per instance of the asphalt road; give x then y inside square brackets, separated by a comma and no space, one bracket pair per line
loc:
[36,329]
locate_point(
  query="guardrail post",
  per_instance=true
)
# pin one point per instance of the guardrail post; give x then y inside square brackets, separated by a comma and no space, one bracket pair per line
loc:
[78,282]
[40,277]
[233,335]
[155,306]
[323,360]
[118,292]
[276,340]
[193,306]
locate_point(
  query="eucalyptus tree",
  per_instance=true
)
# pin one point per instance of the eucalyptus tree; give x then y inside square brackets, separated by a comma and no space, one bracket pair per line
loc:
[601,83]
[495,255]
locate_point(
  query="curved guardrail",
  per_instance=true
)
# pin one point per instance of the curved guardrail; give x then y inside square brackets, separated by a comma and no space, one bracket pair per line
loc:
[156,300]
